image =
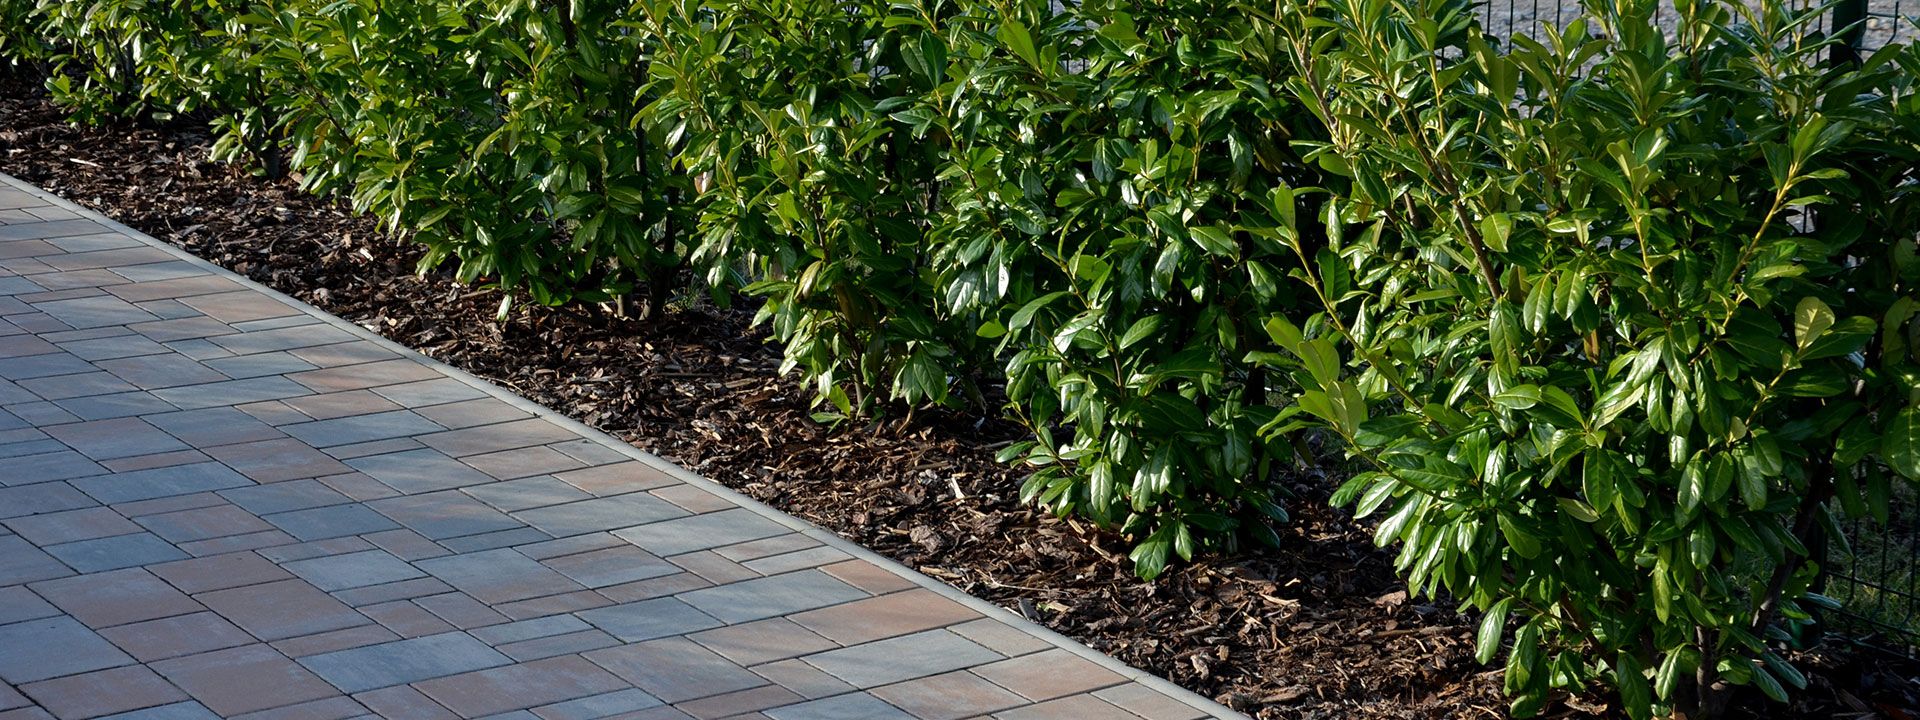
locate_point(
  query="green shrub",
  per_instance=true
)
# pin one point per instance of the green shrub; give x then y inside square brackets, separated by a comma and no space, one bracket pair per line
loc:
[1607,350]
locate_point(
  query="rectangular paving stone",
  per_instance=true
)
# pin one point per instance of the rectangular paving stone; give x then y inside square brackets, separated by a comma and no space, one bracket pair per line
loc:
[616,703]
[164,270]
[405,619]
[240,306]
[87,384]
[42,366]
[470,413]
[361,428]
[71,525]
[419,471]
[244,679]
[283,339]
[1050,674]
[902,658]
[95,312]
[523,462]
[160,482]
[104,692]
[334,641]
[1148,703]
[113,553]
[209,427]
[498,576]
[273,461]
[55,229]
[530,629]
[494,438]
[430,392]
[611,566]
[150,372]
[675,669]
[404,662]
[600,514]
[885,616]
[116,438]
[261,365]
[232,392]
[388,592]
[762,641]
[767,597]
[444,514]
[650,619]
[568,644]
[366,375]
[116,598]
[189,710]
[21,562]
[525,493]
[341,404]
[220,572]
[702,532]
[352,570]
[53,647]
[495,540]
[285,496]
[857,706]
[521,686]
[18,603]
[284,609]
[177,636]
[120,346]
[354,352]
[331,522]
[114,405]
[404,703]
[204,523]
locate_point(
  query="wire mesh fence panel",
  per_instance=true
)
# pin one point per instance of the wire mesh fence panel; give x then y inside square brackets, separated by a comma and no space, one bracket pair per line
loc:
[1876,577]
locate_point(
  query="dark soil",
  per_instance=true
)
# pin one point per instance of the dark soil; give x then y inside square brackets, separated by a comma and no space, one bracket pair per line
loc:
[1318,629]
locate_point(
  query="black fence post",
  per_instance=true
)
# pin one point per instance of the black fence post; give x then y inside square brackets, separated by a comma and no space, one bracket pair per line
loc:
[1849,22]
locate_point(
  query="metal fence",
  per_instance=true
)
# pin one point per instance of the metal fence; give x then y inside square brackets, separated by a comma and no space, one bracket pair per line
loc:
[1865,25]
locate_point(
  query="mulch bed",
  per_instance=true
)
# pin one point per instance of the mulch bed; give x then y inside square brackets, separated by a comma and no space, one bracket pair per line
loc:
[1318,629]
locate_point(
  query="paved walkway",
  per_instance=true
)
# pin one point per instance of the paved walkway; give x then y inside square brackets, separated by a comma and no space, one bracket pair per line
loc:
[218,502]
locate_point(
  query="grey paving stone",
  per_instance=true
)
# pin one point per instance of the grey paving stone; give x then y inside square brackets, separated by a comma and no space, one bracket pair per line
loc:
[18,603]
[79,385]
[114,553]
[21,562]
[650,619]
[53,647]
[599,706]
[40,366]
[31,448]
[906,657]
[498,576]
[211,427]
[61,465]
[525,493]
[675,669]
[232,392]
[361,428]
[116,405]
[855,706]
[160,482]
[430,392]
[114,347]
[189,710]
[530,629]
[116,438]
[404,662]
[331,522]
[600,514]
[284,497]
[612,566]
[250,366]
[494,438]
[703,532]
[55,229]
[154,272]
[149,372]
[352,570]
[95,312]
[767,597]
[283,339]
[419,471]
[444,514]
[495,540]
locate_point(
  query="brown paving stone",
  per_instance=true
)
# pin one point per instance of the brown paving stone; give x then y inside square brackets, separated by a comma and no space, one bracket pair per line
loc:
[461,610]
[367,375]
[341,404]
[868,576]
[523,462]
[806,680]
[237,543]
[692,498]
[220,572]
[240,306]
[1049,674]
[572,643]
[406,544]
[656,587]
[116,597]
[204,523]
[494,438]
[103,693]
[553,605]
[244,679]
[1068,708]
[27,713]
[404,703]
[11,698]
[347,353]
[710,565]
[156,460]
[334,641]
[517,687]
[616,479]
[284,609]
[735,704]
[175,288]
[211,427]
[762,641]
[611,566]
[278,460]
[675,669]
[471,413]
[886,616]
[71,526]
[333,708]
[176,636]
[359,487]
[151,372]
[798,560]
[1001,637]
[406,619]
[951,696]
[1149,703]
[403,590]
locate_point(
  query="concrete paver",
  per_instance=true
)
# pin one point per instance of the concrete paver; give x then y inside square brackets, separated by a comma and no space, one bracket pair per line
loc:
[218,502]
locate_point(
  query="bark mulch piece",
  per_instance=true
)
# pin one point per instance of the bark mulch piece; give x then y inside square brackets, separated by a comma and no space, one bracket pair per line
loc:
[1318,629]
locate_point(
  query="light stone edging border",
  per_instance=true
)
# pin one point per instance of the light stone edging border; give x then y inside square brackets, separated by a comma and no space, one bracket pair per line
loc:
[829,538]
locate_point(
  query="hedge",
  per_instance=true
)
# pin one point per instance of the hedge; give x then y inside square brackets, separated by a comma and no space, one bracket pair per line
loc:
[1613,325]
